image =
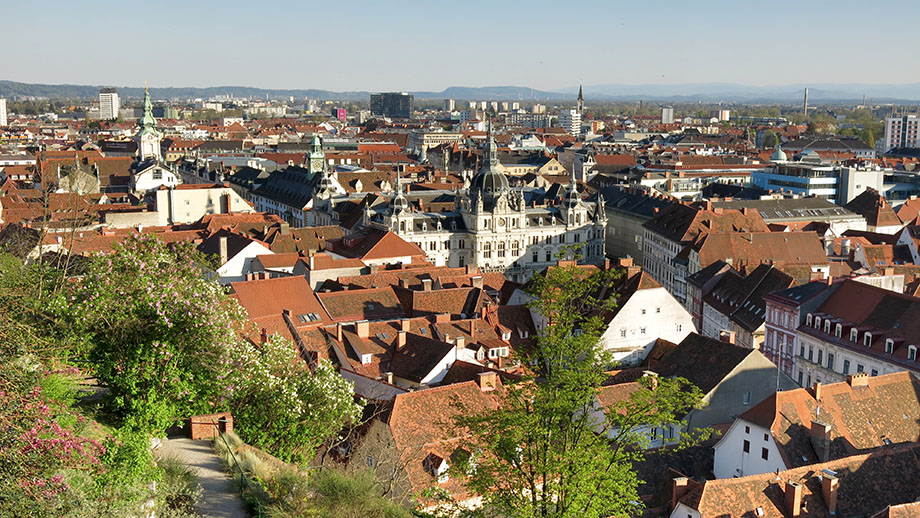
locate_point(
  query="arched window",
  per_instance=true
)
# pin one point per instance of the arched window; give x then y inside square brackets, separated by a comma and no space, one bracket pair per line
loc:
[827,326]
[867,339]
[838,332]
[854,334]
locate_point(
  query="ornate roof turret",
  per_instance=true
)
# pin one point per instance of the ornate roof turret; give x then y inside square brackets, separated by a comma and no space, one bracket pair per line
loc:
[572,197]
[489,181]
[400,202]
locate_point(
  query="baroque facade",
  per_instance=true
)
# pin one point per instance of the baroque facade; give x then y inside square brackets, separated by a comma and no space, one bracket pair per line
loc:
[498,228]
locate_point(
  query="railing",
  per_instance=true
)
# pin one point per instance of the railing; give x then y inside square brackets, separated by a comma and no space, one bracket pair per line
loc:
[244,479]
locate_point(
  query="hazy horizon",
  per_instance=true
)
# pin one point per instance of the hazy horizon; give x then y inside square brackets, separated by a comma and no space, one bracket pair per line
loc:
[429,46]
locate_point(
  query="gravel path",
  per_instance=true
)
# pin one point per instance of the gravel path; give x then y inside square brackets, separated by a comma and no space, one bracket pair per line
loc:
[220,497]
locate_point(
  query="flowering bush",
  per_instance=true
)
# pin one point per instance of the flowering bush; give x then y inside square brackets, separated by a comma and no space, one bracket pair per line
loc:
[163,336]
[280,405]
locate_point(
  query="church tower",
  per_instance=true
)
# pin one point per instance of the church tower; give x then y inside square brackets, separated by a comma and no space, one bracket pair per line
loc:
[148,138]
[581,102]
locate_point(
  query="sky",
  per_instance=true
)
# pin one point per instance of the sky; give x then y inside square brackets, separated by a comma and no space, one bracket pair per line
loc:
[430,45]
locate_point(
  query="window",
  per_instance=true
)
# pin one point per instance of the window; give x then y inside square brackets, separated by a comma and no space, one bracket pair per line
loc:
[623,333]
[817,322]
[657,310]
[912,353]
[643,311]
[830,361]
[501,249]
[766,437]
[875,372]
[860,368]
[800,378]
[642,330]
[369,461]
[811,352]
[746,398]
[820,357]
[846,366]
[747,446]
[808,320]
[854,334]
[678,327]
[838,331]
[867,339]
[889,345]
[536,256]
[764,454]
[827,326]
[158,175]
[747,429]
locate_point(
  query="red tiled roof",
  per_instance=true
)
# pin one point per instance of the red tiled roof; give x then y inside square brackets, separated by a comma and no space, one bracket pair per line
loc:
[266,297]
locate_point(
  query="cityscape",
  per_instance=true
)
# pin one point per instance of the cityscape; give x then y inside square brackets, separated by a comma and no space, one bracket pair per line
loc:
[382,285]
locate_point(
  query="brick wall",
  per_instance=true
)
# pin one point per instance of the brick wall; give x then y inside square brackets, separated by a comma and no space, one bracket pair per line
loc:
[202,426]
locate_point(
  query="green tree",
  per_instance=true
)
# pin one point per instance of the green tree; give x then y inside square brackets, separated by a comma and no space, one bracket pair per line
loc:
[281,406]
[545,452]
[770,140]
[162,335]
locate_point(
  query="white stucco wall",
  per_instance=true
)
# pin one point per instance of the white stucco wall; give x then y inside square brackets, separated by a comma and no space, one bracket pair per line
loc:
[646,316]
[730,460]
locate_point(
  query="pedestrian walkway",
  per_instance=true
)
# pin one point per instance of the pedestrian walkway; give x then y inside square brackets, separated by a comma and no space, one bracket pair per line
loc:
[220,497]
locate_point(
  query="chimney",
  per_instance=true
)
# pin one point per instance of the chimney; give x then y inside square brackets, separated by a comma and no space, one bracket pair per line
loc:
[653,376]
[374,268]
[816,391]
[441,318]
[389,377]
[338,331]
[263,336]
[426,284]
[404,324]
[793,492]
[821,432]
[829,485]
[362,328]
[860,379]
[400,339]
[487,381]
[404,283]
[679,487]
[472,329]
[888,272]
[285,229]
[727,336]
[476,281]
[460,342]
[223,249]
[625,261]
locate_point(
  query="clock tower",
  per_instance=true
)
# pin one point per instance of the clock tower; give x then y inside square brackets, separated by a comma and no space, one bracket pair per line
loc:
[316,159]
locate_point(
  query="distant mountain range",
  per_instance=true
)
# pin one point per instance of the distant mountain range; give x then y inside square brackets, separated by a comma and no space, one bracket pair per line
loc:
[703,92]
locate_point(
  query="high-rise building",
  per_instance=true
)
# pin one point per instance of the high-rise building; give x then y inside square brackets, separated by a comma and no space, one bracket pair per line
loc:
[392,104]
[667,115]
[3,121]
[108,104]
[902,131]
[449,105]
[571,121]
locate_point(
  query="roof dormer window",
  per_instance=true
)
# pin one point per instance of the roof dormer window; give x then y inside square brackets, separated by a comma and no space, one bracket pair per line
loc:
[808,320]
[827,326]
[889,345]
[838,332]
[854,335]
[817,322]
[365,359]
[867,339]
[912,353]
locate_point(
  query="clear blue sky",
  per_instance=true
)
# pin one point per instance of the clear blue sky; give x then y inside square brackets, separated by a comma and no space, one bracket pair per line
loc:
[430,45]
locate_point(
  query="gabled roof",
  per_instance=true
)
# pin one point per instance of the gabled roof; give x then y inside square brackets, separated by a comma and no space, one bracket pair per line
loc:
[374,244]
[267,297]
[754,248]
[871,205]
[683,223]
[862,414]
[867,484]
[367,304]
[703,361]
[235,243]
[423,423]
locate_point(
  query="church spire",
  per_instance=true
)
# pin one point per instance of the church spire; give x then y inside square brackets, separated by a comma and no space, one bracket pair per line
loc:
[581,101]
[148,138]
